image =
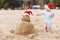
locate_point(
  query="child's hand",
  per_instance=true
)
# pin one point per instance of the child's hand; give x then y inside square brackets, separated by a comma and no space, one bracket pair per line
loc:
[39,14]
[52,15]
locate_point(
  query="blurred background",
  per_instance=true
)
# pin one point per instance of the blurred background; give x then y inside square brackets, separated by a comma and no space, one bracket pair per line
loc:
[25,4]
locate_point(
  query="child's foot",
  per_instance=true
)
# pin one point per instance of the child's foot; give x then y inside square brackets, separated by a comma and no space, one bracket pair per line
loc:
[51,31]
[47,31]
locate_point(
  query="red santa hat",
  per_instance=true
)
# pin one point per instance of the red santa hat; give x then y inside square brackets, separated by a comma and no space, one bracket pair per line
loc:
[28,12]
[48,6]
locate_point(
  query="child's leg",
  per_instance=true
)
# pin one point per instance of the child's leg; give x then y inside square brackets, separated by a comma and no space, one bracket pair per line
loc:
[46,28]
[49,26]
[49,29]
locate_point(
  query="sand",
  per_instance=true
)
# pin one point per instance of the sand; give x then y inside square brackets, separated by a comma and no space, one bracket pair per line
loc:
[9,19]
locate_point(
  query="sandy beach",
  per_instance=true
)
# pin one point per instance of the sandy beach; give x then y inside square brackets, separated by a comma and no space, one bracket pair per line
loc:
[9,19]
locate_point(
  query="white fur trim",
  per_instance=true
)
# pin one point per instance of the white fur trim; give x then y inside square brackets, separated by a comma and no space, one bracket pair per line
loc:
[46,7]
[25,14]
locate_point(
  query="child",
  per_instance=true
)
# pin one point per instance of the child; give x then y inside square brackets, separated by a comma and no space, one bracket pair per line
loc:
[47,17]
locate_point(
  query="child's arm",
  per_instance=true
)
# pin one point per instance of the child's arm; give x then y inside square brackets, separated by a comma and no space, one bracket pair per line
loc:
[52,15]
[31,13]
[39,14]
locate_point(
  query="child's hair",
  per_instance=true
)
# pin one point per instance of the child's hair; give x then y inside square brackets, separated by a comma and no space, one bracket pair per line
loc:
[26,18]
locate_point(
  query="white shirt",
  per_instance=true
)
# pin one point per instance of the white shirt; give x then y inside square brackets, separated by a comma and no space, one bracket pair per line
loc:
[47,16]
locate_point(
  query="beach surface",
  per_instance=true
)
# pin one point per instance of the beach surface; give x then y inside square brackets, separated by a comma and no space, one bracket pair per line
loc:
[9,19]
